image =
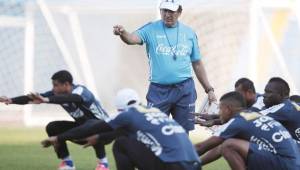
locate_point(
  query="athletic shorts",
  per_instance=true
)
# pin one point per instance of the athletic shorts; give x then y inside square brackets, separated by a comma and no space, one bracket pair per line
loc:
[176,99]
[265,160]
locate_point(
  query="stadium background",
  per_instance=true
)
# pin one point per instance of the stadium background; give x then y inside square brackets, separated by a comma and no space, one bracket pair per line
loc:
[238,38]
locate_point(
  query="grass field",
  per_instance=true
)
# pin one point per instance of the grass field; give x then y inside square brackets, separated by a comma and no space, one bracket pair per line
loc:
[20,149]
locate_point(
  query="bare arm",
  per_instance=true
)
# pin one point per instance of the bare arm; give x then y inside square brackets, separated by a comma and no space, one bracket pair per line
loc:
[128,38]
[202,77]
[208,144]
[211,155]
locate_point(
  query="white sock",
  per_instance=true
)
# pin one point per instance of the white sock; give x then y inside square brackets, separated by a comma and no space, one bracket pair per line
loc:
[104,160]
[67,158]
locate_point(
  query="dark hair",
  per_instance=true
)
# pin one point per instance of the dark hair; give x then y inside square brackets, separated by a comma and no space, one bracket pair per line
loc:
[235,98]
[295,98]
[63,76]
[246,84]
[282,85]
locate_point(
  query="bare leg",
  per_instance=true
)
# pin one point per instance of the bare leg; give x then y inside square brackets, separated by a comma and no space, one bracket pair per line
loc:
[211,155]
[235,151]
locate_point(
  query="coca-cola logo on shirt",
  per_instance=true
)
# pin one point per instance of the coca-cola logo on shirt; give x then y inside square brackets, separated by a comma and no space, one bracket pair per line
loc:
[181,50]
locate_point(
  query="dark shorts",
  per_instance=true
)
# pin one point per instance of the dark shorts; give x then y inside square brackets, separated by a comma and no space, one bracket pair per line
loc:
[264,160]
[176,99]
[130,153]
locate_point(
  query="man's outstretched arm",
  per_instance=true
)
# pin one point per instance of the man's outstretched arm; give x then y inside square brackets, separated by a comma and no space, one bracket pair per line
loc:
[128,38]
[16,100]
[56,99]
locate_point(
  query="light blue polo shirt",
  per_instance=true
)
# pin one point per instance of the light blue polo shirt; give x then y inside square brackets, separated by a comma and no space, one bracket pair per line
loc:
[161,45]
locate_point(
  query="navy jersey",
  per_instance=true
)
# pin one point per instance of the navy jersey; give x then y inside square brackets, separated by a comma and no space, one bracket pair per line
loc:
[268,134]
[89,108]
[288,114]
[166,138]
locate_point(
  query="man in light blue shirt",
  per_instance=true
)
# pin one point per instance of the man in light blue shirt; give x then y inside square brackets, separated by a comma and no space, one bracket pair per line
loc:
[173,51]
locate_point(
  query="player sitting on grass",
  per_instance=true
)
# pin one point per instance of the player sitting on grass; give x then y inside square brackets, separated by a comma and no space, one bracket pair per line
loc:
[81,105]
[153,141]
[249,140]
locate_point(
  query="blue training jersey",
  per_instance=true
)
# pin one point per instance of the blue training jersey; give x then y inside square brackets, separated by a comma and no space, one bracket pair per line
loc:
[269,135]
[166,138]
[170,51]
[89,108]
[288,114]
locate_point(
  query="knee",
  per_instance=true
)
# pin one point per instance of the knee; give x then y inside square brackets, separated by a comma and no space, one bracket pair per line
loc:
[51,129]
[119,144]
[228,147]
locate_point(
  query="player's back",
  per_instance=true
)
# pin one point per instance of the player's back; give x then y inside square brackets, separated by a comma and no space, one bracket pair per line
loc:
[264,131]
[288,114]
[165,137]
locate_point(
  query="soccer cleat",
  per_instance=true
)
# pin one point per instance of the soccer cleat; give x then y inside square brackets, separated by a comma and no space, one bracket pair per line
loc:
[66,165]
[102,166]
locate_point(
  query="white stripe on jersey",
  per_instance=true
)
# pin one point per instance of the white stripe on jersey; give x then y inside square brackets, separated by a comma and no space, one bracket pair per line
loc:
[222,128]
[78,90]
[272,109]
[259,104]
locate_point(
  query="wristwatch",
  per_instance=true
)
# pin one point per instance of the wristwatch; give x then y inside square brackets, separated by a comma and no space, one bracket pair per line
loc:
[209,89]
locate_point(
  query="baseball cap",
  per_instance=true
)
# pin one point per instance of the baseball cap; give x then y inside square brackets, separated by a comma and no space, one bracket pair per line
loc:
[172,5]
[126,98]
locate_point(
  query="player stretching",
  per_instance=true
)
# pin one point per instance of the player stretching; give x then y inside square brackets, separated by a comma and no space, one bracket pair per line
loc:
[251,141]
[81,105]
[152,140]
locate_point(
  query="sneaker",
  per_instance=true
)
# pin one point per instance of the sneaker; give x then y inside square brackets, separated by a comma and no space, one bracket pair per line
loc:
[66,165]
[102,166]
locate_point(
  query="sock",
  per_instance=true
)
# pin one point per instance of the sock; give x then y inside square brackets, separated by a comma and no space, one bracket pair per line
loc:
[68,161]
[104,161]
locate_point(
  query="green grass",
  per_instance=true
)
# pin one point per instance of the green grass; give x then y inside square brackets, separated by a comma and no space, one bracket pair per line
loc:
[20,149]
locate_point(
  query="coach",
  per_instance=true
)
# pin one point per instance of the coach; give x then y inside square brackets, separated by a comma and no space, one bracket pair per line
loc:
[171,48]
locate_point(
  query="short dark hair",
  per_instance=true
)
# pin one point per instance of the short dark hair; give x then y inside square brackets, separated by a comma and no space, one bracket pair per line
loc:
[246,84]
[62,76]
[235,98]
[282,85]
[295,98]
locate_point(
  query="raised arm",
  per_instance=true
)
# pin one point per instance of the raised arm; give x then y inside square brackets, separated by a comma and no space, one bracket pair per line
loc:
[128,38]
